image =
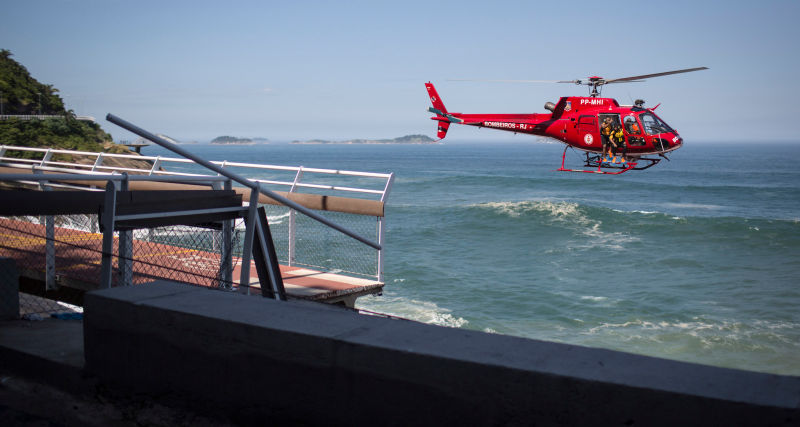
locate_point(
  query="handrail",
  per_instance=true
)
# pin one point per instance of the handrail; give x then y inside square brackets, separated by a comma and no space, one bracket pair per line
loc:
[244,181]
[225,164]
[108,177]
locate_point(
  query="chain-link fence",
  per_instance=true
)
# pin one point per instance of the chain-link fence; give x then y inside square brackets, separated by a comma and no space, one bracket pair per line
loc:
[320,247]
[187,254]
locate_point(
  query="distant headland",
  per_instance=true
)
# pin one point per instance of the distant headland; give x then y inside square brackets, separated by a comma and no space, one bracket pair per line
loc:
[232,140]
[408,139]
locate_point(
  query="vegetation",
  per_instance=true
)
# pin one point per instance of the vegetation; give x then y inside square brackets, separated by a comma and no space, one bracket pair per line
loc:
[20,94]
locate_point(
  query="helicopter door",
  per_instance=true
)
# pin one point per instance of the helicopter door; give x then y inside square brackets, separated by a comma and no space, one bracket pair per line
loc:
[588,131]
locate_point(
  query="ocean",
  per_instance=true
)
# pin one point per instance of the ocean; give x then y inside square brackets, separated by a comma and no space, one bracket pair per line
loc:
[696,259]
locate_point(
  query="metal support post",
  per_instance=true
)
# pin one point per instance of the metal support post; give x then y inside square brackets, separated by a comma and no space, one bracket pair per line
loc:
[216,235]
[226,257]
[382,227]
[266,260]
[292,219]
[107,228]
[381,241]
[125,260]
[97,162]
[292,236]
[50,242]
[247,251]
[50,253]
[388,187]
[156,165]
[47,155]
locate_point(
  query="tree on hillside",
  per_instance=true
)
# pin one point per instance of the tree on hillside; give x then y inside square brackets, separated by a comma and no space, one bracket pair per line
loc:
[22,93]
[21,96]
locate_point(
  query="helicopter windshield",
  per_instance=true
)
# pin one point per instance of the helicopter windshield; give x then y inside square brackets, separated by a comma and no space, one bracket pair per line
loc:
[653,125]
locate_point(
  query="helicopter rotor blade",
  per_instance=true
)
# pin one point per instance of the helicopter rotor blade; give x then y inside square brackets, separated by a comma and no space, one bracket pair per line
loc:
[508,81]
[646,76]
[625,81]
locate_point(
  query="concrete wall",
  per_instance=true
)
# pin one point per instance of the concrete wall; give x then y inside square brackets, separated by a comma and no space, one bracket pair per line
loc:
[262,361]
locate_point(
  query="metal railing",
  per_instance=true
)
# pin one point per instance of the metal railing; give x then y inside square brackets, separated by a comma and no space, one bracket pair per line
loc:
[377,186]
[159,162]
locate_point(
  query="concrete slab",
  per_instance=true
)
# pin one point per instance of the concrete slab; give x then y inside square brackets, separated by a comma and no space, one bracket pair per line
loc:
[48,350]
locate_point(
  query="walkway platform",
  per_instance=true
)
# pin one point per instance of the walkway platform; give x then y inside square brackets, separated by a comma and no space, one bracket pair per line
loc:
[78,264]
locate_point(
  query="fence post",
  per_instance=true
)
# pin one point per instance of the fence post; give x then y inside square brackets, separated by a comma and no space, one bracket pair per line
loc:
[47,155]
[382,226]
[156,164]
[125,259]
[226,257]
[292,216]
[97,162]
[49,243]
[107,227]
[381,241]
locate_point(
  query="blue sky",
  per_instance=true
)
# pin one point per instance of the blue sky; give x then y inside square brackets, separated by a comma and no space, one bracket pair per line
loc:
[336,70]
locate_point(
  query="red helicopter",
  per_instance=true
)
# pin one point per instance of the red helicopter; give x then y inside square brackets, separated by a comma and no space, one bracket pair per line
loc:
[576,121]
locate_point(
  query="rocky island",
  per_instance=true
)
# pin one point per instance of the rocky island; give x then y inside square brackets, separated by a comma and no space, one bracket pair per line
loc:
[408,139]
[232,140]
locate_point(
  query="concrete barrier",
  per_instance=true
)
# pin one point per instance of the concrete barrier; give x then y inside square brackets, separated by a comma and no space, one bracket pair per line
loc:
[9,289]
[263,361]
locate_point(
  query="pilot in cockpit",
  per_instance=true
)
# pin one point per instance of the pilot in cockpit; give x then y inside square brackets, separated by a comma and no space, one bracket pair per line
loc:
[631,126]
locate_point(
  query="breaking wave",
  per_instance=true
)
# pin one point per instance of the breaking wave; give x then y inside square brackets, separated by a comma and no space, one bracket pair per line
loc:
[411,309]
[586,224]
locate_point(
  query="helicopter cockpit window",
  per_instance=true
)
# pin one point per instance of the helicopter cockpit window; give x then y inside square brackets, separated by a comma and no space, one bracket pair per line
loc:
[653,125]
[631,126]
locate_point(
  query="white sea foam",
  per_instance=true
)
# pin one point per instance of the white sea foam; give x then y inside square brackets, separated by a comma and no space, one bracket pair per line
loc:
[571,214]
[420,311]
[708,333]
[601,239]
[558,210]
[694,206]
[657,325]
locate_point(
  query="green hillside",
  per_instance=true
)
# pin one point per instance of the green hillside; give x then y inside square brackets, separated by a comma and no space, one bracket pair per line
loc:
[21,94]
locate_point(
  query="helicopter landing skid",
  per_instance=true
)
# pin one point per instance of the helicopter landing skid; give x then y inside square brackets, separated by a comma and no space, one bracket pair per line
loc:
[596,161]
